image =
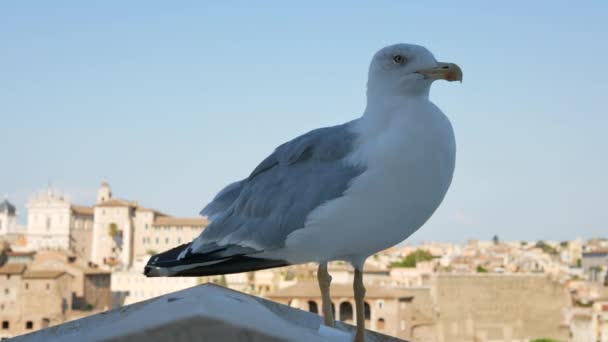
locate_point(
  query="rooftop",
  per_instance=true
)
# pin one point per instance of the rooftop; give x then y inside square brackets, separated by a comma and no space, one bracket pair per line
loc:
[20,253]
[42,274]
[369,268]
[156,212]
[597,252]
[115,202]
[12,269]
[311,289]
[82,210]
[180,221]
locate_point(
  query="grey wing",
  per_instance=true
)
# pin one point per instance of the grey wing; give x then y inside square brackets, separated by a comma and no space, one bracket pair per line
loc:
[261,210]
[223,200]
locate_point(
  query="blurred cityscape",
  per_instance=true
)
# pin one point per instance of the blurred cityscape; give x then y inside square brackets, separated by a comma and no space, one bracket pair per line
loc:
[69,261]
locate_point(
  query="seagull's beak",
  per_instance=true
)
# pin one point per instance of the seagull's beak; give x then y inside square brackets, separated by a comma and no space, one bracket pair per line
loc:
[443,71]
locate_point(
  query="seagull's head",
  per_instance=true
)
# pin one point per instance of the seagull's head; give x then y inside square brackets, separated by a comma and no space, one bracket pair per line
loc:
[407,70]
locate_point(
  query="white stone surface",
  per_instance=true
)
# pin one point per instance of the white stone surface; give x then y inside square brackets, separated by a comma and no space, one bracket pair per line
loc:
[201,313]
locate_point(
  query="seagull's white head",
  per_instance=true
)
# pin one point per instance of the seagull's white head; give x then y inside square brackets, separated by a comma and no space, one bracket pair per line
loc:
[407,70]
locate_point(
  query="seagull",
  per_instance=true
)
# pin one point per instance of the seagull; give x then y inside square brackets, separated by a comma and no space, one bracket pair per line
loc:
[343,192]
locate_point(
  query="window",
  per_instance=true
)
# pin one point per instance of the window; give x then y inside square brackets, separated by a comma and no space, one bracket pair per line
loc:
[380,324]
[312,306]
[5,325]
[48,286]
[48,223]
[368,312]
[146,226]
[27,286]
[143,240]
[380,304]
[157,241]
[29,325]
[166,240]
[346,312]
[7,291]
[179,240]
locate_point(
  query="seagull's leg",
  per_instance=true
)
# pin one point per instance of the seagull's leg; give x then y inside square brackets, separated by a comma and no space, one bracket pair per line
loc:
[324,281]
[359,305]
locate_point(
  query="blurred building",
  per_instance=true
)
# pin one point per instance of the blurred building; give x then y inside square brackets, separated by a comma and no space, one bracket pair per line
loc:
[595,265]
[590,323]
[111,233]
[32,299]
[42,289]
[90,284]
[55,223]
[156,233]
[131,286]
[123,230]
[500,307]
[401,312]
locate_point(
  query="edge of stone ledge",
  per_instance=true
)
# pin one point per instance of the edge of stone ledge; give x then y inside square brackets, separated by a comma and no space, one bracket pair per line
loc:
[200,313]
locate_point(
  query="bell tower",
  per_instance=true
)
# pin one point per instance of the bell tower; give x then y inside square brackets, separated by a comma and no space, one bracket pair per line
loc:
[104,193]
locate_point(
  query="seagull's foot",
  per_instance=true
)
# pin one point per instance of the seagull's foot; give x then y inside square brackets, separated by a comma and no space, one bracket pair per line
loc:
[359,290]
[324,279]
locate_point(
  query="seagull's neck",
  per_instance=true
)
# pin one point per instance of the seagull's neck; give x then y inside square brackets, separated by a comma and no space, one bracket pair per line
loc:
[381,111]
[394,122]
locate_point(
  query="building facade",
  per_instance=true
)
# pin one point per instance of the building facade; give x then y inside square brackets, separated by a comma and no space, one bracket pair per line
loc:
[90,284]
[595,265]
[55,223]
[391,311]
[81,231]
[124,231]
[111,233]
[155,232]
[32,299]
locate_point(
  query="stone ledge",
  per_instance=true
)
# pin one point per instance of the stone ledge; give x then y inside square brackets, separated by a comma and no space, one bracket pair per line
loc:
[201,313]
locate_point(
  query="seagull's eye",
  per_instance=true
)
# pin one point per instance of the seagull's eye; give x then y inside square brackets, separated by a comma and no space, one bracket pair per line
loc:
[399,59]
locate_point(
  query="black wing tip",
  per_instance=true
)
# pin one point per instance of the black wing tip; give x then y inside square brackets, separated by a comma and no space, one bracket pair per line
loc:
[189,268]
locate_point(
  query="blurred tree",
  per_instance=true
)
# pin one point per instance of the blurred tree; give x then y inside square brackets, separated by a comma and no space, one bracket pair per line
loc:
[414,257]
[495,240]
[481,269]
[546,248]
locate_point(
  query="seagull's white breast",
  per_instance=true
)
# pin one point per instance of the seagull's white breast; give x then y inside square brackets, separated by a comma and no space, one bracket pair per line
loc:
[409,152]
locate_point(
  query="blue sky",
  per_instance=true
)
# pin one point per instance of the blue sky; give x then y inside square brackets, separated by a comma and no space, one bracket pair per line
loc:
[172,100]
